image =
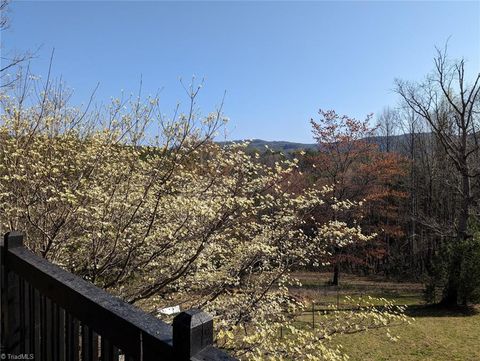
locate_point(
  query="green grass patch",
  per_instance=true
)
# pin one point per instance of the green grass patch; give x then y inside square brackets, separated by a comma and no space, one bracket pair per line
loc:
[437,334]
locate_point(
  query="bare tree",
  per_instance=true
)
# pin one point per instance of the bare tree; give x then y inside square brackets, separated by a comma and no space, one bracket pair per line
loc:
[8,62]
[3,16]
[447,102]
[388,123]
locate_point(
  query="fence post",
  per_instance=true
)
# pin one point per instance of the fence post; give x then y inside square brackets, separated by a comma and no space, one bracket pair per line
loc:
[10,334]
[192,332]
[338,298]
[313,315]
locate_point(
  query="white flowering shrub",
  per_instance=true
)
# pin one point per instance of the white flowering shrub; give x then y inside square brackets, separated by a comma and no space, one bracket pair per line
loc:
[151,209]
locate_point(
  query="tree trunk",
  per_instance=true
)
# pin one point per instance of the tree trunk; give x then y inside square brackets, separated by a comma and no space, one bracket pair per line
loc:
[336,274]
[450,296]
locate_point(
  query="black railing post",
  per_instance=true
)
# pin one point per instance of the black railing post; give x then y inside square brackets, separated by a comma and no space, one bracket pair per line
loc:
[11,332]
[192,332]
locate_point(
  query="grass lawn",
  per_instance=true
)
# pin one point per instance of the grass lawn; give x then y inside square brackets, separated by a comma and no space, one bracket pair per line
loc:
[436,334]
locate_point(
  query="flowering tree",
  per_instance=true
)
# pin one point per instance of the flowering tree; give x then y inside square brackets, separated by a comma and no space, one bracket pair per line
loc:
[349,159]
[151,209]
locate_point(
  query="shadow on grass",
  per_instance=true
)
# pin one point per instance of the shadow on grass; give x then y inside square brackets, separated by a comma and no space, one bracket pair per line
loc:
[441,311]
[416,311]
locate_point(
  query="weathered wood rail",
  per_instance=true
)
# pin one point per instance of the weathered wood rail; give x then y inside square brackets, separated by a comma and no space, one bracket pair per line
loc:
[49,314]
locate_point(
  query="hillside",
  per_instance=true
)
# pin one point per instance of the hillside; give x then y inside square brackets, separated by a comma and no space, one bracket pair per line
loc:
[281,146]
[396,143]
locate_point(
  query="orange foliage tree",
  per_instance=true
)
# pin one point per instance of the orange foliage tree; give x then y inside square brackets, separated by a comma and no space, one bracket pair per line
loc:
[349,159]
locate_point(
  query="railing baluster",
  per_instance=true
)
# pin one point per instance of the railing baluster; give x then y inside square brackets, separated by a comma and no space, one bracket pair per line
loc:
[61,334]
[29,317]
[14,337]
[89,344]
[95,346]
[109,352]
[49,337]
[21,315]
[85,344]
[72,339]
[55,333]
[37,328]
[43,328]
[26,317]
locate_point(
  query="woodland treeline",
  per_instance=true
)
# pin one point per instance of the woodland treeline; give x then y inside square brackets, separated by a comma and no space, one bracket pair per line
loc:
[416,168]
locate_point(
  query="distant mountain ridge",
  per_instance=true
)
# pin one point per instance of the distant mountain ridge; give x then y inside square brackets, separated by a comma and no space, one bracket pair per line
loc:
[394,142]
[280,145]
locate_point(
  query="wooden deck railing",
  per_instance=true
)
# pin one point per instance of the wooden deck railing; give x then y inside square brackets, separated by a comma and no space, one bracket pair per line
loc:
[49,314]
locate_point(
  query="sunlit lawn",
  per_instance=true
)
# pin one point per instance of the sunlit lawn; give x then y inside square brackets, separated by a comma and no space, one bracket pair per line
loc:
[437,334]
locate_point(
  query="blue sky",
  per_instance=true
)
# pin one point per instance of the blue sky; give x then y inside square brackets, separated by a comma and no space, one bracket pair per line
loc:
[278,61]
